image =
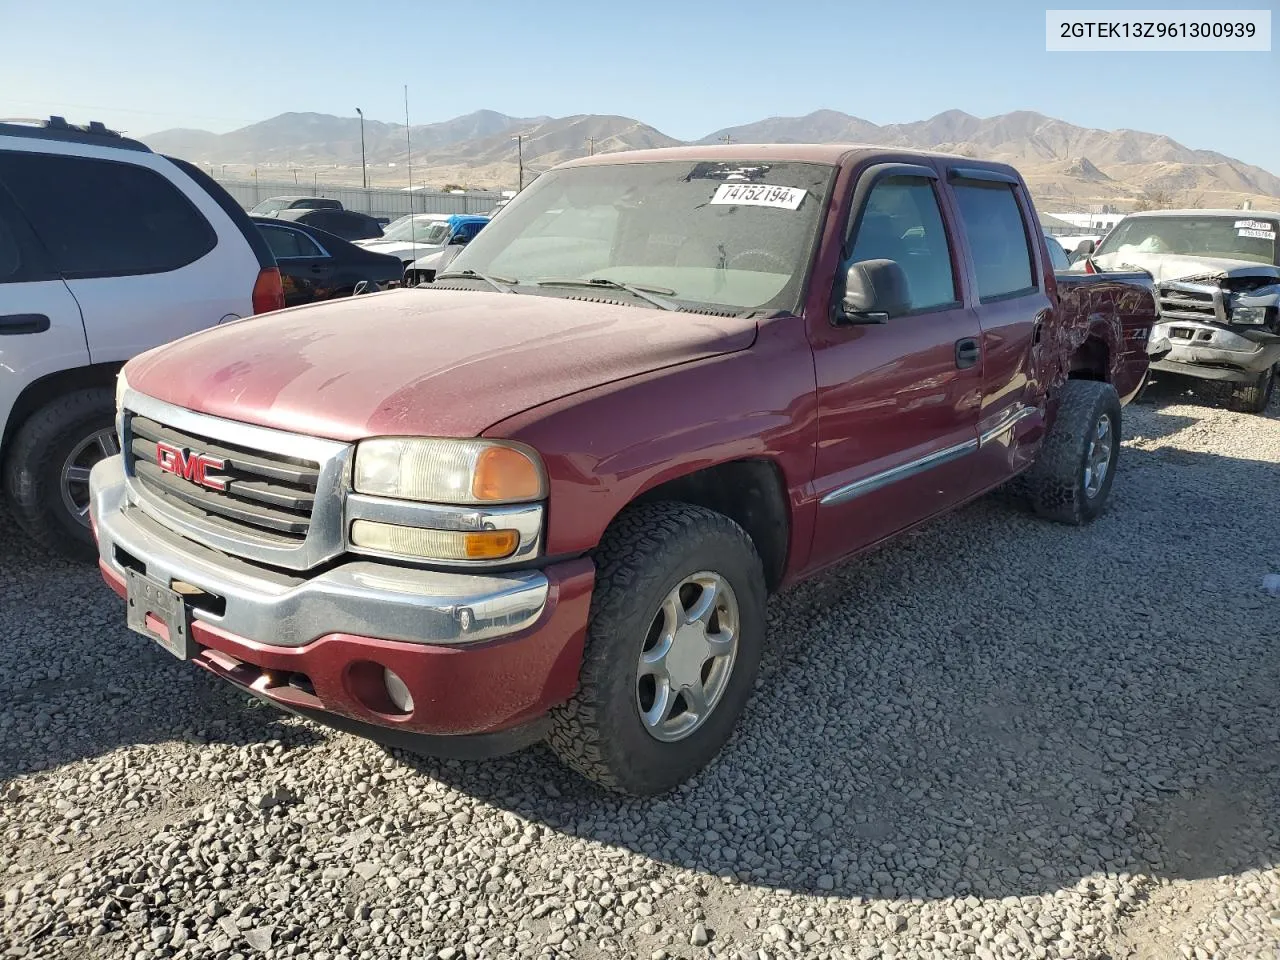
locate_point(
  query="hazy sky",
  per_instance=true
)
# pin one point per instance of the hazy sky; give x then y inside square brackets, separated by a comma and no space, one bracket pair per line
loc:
[687,68]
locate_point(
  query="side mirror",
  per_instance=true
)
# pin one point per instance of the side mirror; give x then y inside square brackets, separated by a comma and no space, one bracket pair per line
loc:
[875,291]
[1084,248]
[458,240]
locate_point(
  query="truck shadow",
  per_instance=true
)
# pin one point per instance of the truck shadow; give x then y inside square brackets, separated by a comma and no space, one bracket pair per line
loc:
[932,722]
[1169,389]
[63,693]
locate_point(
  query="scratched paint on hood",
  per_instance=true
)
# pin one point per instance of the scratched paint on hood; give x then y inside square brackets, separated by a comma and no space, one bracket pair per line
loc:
[421,362]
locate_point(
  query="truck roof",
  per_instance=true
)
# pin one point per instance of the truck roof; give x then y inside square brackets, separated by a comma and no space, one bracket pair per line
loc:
[1191,212]
[832,153]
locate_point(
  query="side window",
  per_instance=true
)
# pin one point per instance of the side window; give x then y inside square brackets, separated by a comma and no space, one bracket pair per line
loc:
[21,259]
[997,239]
[1057,256]
[282,241]
[902,222]
[102,218]
[10,255]
[306,246]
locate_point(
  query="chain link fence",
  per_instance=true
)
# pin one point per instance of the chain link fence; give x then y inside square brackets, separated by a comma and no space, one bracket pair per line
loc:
[375,202]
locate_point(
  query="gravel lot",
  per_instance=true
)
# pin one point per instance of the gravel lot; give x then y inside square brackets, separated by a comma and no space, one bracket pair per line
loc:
[996,738]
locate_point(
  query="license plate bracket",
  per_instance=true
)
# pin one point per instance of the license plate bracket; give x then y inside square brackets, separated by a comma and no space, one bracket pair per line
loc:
[159,613]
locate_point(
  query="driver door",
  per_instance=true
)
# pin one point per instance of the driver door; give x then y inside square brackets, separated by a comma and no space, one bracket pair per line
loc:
[897,401]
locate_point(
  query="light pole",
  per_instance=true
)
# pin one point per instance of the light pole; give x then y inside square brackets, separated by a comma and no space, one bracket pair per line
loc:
[519,139]
[364,171]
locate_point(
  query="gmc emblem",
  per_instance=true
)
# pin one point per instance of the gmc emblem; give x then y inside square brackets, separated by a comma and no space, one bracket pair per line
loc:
[191,465]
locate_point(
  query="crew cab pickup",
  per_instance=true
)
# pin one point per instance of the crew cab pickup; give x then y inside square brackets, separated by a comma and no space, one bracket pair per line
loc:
[1218,283]
[547,496]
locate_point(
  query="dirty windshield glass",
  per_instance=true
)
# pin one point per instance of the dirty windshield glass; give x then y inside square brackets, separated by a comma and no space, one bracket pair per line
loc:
[1236,237]
[729,235]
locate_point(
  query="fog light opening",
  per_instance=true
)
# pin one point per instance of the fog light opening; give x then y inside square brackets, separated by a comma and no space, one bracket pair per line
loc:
[397,692]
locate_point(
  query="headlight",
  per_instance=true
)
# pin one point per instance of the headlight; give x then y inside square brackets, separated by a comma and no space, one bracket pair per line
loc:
[121,386]
[449,471]
[1250,315]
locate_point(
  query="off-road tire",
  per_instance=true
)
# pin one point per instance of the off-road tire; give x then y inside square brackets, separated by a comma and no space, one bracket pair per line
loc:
[1254,397]
[1055,482]
[33,469]
[647,550]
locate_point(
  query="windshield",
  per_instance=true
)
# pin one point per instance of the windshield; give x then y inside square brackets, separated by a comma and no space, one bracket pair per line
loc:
[1237,237]
[734,234]
[268,206]
[417,229]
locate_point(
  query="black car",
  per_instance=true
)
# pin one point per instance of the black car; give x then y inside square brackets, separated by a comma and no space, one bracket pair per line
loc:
[346,224]
[315,265]
[273,205]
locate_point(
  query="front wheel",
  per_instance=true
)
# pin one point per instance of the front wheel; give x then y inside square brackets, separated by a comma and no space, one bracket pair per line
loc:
[1254,397]
[673,646]
[47,469]
[1072,475]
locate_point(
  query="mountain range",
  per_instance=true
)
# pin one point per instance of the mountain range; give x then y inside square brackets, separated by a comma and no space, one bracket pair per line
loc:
[1062,163]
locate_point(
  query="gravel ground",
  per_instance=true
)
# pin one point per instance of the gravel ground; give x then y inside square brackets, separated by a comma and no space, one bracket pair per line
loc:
[996,738]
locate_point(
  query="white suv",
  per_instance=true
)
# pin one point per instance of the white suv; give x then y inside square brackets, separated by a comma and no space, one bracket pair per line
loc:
[106,250]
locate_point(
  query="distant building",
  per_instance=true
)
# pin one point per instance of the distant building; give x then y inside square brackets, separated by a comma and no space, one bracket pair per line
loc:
[1088,222]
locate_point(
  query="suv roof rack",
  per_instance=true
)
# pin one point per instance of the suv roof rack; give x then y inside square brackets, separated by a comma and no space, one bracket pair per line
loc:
[56,128]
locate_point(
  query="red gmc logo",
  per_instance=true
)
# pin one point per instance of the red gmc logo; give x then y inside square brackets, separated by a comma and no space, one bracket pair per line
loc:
[191,465]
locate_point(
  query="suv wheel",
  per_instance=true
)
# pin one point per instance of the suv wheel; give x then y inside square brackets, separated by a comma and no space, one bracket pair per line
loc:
[673,645]
[47,469]
[1072,475]
[1254,397]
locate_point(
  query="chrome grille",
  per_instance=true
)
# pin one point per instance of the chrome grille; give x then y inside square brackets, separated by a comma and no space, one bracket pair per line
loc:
[272,494]
[280,496]
[1180,300]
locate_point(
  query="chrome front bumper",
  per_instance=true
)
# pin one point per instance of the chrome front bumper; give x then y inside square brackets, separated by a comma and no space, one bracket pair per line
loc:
[1213,352]
[360,597]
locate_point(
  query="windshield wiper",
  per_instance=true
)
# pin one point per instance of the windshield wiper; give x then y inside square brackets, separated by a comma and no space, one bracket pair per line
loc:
[642,290]
[501,284]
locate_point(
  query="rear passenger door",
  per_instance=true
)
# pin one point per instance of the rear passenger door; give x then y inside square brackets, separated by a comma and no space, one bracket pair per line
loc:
[40,327]
[306,269]
[137,247]
[897,401]
[1012,306]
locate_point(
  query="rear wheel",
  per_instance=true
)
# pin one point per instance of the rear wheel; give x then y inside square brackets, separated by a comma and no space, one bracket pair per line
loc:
[1254,397]
[1072,475]
[673,645]
[47,469]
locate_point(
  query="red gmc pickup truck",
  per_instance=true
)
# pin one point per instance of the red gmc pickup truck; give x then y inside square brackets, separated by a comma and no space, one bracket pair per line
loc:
[524,503]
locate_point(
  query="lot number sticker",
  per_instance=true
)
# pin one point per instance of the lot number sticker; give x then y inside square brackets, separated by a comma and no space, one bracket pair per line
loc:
[1259,234]
[759,195]
[1253,224]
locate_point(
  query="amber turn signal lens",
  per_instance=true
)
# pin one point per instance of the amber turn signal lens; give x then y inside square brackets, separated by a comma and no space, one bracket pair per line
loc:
[491,544]
[434,544]
[504,473]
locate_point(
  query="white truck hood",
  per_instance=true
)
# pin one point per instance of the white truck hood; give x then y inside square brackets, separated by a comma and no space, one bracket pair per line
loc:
[400,248]
[1173,266]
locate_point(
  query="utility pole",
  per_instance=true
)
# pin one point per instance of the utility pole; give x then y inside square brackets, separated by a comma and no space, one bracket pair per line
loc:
[519,139]
[364,170]
[591,146]
[726,139]
[408,149]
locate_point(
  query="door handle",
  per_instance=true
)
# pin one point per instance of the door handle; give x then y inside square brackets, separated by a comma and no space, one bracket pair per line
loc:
[968,352]
[15,323]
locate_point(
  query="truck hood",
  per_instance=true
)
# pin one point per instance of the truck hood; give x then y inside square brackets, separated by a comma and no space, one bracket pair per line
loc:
[399,248]
[420,362]
[1171,266]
